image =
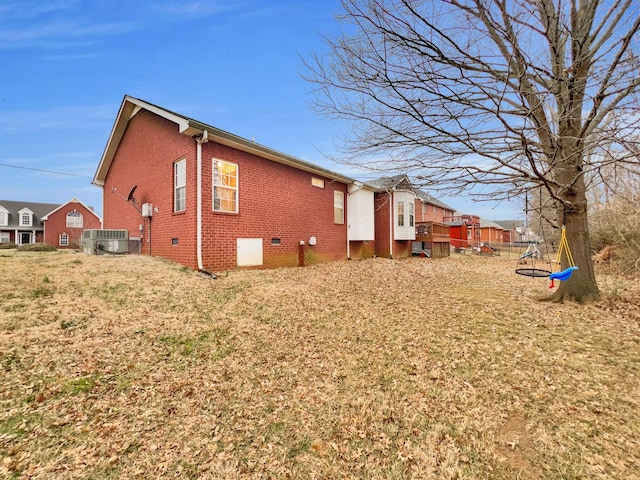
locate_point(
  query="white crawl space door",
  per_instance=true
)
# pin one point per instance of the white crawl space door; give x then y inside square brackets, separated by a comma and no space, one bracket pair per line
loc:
[249,252]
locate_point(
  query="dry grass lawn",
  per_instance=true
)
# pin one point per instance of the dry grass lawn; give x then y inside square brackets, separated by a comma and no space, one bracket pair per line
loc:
[133,367]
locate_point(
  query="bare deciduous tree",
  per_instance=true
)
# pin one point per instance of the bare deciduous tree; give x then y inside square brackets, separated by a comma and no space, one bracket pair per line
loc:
[511,95]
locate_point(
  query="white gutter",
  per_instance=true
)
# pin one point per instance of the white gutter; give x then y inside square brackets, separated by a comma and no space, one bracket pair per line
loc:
[200,141]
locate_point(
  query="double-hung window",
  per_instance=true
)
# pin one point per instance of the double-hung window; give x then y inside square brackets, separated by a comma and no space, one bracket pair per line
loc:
[338,207]
[64,240]
[401,213]
[225,186]
[411,214]
[180,186]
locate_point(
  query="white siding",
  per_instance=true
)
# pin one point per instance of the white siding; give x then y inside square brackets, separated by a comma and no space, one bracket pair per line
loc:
[406,231]
[360,215]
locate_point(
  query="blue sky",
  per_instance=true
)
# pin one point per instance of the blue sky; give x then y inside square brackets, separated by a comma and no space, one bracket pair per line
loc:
[235,65]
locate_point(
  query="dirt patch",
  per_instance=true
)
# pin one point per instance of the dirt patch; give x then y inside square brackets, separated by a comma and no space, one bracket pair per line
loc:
[515,446]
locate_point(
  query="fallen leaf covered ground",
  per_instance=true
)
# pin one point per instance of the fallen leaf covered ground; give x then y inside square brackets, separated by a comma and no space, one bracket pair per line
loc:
[134,367]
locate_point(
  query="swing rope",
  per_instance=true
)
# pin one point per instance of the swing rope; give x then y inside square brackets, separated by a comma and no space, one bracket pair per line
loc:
[563,248]
[532,252]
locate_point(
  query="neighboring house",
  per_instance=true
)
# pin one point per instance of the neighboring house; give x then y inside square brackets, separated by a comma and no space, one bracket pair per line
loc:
[21,222]
[490,232]
[64,225]
[432,235]
[512,230]
[211,200]
[57,225]
[395,226]
[464,231]
[430,209]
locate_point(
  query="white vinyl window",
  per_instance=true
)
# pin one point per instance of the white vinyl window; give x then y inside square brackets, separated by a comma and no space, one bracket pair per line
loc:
[74,219]
[180,186]
[401,213]
[25,219]
[225,186]
[338,207]
[4,237]
[411,214]
[63,240]
[4,217]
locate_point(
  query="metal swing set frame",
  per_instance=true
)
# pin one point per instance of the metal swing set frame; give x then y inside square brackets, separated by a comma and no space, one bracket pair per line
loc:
[533,252]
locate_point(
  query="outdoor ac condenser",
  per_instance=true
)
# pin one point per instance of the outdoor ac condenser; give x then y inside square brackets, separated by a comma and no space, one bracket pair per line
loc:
[100,242]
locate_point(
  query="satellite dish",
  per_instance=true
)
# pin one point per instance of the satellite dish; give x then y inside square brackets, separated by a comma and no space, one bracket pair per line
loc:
[130,196]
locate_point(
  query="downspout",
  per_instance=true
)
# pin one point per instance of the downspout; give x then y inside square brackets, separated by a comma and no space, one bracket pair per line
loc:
[204,138]
[391,224]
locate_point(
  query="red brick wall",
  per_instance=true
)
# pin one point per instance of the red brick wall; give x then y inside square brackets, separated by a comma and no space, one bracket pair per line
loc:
[361,249]
[145,159]
[383,208]
[56,224]
[275,201]
[430,214]
[490,235]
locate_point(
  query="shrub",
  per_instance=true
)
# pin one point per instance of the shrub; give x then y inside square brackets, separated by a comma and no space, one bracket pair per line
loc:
[6,246]
[37,247]
[615,235]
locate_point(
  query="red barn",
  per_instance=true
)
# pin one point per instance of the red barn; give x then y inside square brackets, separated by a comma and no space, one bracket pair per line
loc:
[211,200]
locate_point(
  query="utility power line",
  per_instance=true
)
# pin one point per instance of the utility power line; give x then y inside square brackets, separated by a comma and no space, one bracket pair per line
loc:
[45,171]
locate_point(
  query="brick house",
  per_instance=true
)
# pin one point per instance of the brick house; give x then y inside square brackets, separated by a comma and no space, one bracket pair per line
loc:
[432,234]
[57,225]
[64,225]
[22,222]
[491,233]
[395,226]
[511,229]
[212,201]
[430,209]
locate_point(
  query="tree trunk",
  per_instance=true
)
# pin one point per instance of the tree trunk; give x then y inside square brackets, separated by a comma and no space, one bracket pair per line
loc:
[581,287]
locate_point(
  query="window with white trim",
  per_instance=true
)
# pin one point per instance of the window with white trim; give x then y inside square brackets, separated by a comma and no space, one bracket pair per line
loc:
[225,186]
[63,240]
[338,207]
[180,186]
[5,237]
[401,213]
[411,214]
[26,218]
[74,219]
[4,217]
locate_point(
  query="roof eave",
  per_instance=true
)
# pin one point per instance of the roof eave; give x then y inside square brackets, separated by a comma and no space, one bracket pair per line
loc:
[130,106]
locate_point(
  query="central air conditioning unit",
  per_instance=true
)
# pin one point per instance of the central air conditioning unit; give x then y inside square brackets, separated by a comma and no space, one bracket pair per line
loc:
[101,242]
